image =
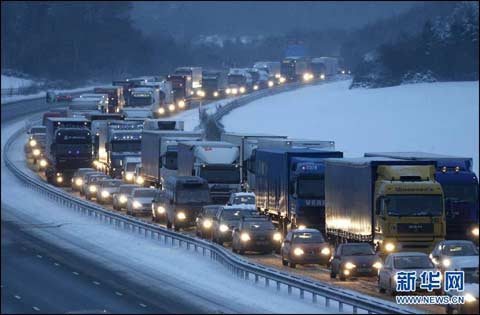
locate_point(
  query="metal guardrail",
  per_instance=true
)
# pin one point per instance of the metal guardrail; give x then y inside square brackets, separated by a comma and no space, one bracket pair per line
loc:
[20,91]
[241,268]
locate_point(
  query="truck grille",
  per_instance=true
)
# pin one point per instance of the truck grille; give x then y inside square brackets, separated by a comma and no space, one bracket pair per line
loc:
[312,215]
[415,228]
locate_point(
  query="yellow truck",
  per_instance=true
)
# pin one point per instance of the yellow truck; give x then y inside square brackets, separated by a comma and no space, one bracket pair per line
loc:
[396,205]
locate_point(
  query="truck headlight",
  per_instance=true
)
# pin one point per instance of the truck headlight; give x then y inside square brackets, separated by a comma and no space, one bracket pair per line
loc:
[33,143]
[223,228]
[302,227]
[446,262]
[377,265]
[140,180]
[129,176]
[105,194]
[43,163]
[215,94]
[389,247]
[181,216]
[228,91]
[255,87]
[92,188]
[475,231]
[242,89]
[298,251]
[325,251]
[277,236]
[36,152]
[181,104]
[161,110]
[171,107]
[136,204]
[160,209]
[78,182]
[245,237]
[282,80]
[207,223]
[234,91]
[270,83]
[349,265]
[322,77]
[122,199]
[469,298]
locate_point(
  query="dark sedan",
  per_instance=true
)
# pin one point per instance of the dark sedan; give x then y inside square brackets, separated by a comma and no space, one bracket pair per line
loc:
[204,220]
[255,233]
[305,246]
[354,259]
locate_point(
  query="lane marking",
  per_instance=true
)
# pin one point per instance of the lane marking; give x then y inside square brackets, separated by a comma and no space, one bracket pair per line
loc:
[96,283]
[75,273]
[36,309]
[142,305]
[118,293]
[18,297]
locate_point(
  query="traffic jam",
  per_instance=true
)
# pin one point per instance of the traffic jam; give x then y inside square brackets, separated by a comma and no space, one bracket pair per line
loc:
[401,222]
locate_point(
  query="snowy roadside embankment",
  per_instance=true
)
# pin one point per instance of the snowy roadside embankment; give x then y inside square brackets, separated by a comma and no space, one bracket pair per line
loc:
[9,82]
[18,98]
[430,117]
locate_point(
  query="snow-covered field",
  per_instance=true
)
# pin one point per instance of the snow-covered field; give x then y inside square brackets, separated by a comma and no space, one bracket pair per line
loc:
[9,82]
[428,117]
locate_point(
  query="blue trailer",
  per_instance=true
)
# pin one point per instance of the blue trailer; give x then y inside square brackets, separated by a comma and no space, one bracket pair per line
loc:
[460,188]
[290,186]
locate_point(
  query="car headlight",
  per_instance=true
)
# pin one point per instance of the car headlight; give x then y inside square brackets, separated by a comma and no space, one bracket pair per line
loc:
[33,143]
[270,83]
[234,91]
[325,251]
[79,182]
[469,298]
[322,77]
[223,228]
[136,204]
[160,209]
[245,237]
[242,89]
[181,104]
[43,163]
[282,79]
[349,265]
[475,231]
[181,216]
[105,194]
[129,176]
[446,262]
[161,110]
[228,91]
[171,107]
[277,236]
[122,199]
[215,94]
[389,247]
[298,251]
[255,87]
[302,227]
[92,188]
[377,265]
[59,179]
[36,152]
[140,180]
[207,223]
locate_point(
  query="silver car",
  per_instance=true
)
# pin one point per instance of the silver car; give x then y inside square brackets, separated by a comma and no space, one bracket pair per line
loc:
[140,201]
[120,198]
[91,186]
[405,262]
[106,190]
[77,179]
[454,254]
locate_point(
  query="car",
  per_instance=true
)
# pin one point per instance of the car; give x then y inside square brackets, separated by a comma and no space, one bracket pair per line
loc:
[120,198]
[139,202]
[403,261]
[91,186]
[354,259]
[106,190]
[243,199]
[63,98]
[305,246]
[453,254]
[159,213]
[85,177]
[204,220]
[77,179]
[470,294]
[255,233]
[226,220]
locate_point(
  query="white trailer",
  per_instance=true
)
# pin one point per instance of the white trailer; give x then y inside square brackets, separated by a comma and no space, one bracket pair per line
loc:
[324,67]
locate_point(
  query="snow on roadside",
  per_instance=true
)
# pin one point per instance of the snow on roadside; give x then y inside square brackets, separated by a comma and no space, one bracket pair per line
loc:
[17,98]
[9,82]
[430,117]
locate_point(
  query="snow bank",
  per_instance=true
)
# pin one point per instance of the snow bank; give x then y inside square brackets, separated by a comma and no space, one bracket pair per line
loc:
[17,98]
[431,117]
[9,82]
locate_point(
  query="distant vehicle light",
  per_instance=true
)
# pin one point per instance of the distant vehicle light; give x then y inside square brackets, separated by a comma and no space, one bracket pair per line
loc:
[277,236]
[161,110]
[325,251]
[171,107]
[270,83]
[242,89]
[122,199]
[215,94]
[207,223]
[79,182]
[36,152]
[160,209]
[255,87]
[136,204]
[33,143]
[181,104]
[43,163]
[140,180]
[298,251]
[245,237]
[105,194]
[181,216]
[223,228]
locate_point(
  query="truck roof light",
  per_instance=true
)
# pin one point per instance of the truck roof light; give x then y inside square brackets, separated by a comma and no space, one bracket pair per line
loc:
[444,169]
[457,169]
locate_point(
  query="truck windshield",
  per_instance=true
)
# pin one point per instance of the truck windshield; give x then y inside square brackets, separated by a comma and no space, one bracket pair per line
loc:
[126,146]
[459,192]
[412,262]
[130,167]
[236,79]
[230,175]
[209,83]
[143,100]
[311,188]
[200,195]
[415,205]
[465,249]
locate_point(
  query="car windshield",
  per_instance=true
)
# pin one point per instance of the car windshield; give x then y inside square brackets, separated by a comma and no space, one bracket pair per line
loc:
[361,249]
[311,188]
[126,189]
[244,200]
[200,195]
[144,193]
[466,249]
[471,275]
[97,178]
[210,211]
[459,192]
[308,237]
[237,214]
[111,183]
[259,225]
[414,205]
[412,262]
